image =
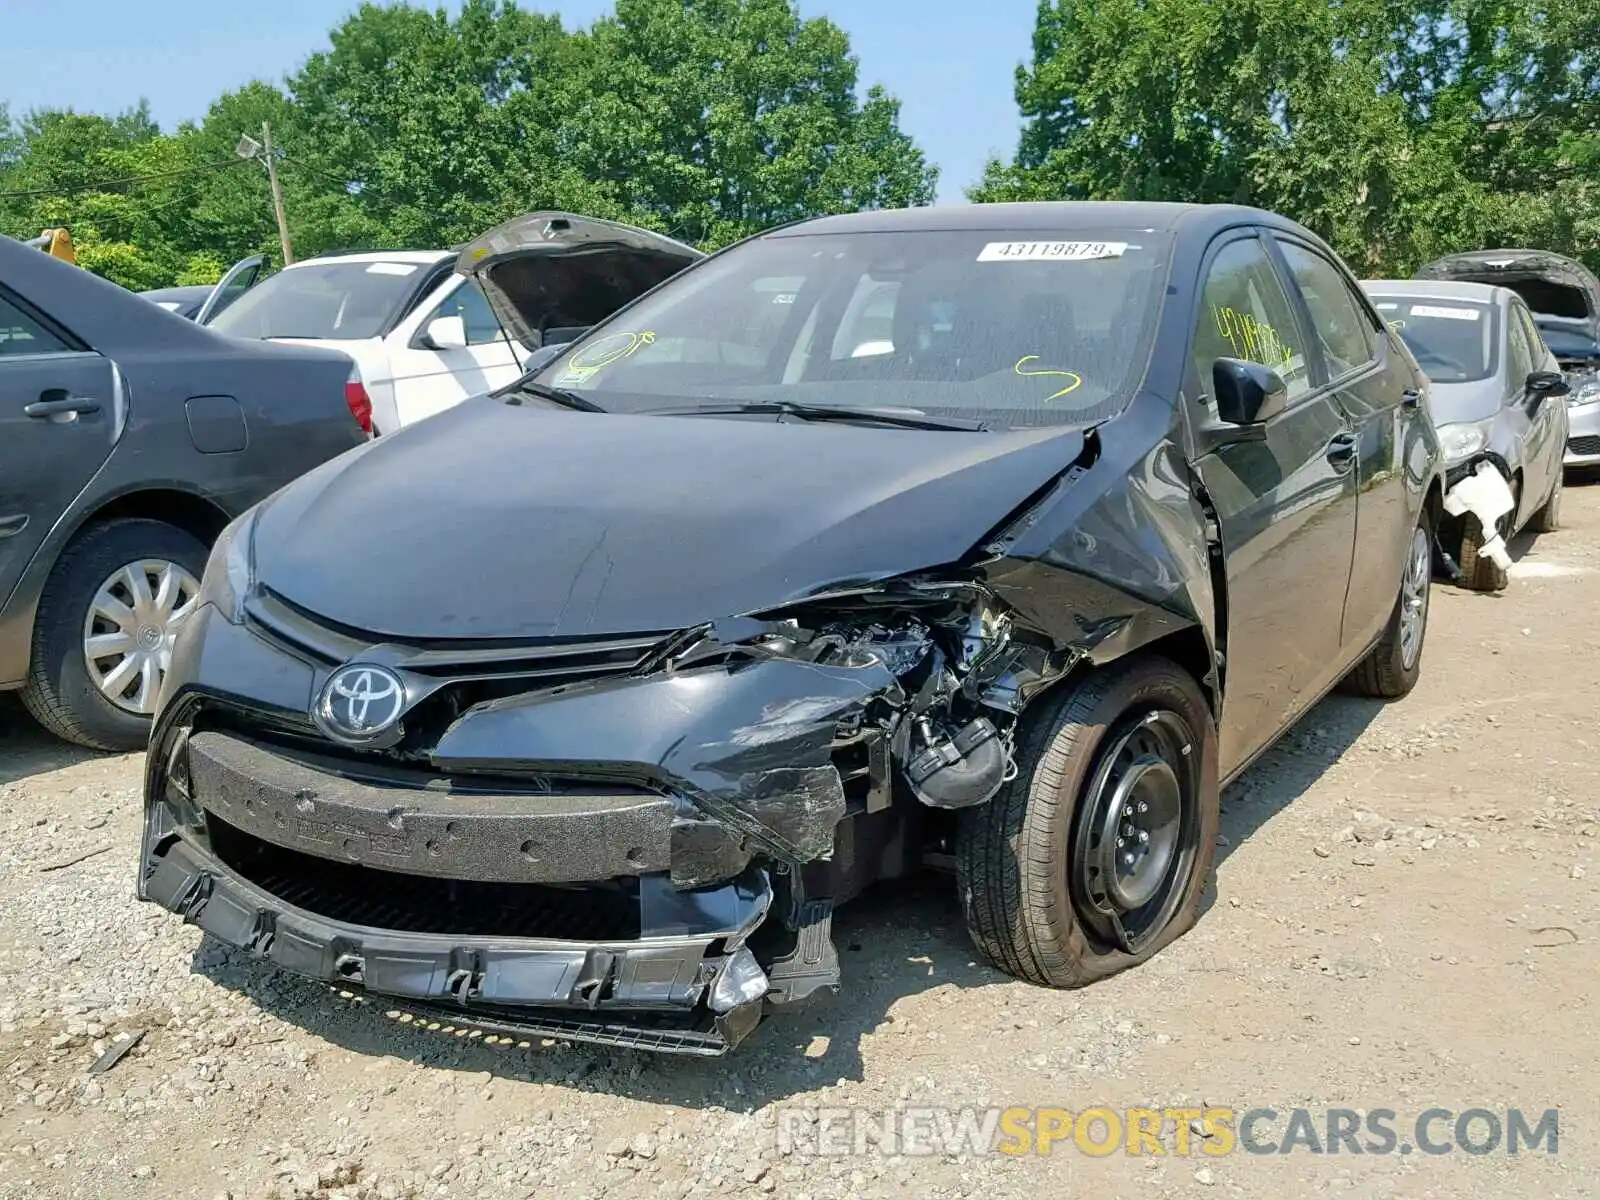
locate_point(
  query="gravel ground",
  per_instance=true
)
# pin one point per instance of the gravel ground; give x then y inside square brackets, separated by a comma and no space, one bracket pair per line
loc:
[1405,917]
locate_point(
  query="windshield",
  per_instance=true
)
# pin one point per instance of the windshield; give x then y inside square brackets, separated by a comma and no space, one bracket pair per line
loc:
[340,300]
[968,324]
[1453,340]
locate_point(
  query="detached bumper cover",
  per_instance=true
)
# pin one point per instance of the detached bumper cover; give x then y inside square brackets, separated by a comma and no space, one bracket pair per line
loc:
[647,992]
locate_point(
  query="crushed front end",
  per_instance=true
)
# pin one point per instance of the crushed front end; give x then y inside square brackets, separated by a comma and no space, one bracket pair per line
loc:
[631,840]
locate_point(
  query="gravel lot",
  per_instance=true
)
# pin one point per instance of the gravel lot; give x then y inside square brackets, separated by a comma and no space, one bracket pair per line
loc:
[1406,917]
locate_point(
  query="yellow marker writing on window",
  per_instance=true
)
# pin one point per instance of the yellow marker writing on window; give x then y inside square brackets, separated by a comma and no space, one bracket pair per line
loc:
[601,354]
[1077,380]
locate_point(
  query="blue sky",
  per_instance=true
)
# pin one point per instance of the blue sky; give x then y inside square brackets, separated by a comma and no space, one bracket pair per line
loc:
[950,62]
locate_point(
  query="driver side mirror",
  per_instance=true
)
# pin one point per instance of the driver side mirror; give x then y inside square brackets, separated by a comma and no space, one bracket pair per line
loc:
[1247,394]
[1547,383]
[445,333]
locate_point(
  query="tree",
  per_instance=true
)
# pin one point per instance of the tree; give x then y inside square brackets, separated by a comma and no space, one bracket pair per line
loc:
[718,118]
[432,128]
[126,191]
[710,119]
[1398,129]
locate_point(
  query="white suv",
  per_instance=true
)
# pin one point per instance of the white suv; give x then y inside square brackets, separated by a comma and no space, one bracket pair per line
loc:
[428,328]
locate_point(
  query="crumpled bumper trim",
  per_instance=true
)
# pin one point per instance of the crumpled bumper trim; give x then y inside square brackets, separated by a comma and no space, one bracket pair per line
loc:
[647,993]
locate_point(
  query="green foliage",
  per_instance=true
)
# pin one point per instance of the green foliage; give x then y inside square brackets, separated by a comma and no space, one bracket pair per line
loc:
[1398,129]
[709,119]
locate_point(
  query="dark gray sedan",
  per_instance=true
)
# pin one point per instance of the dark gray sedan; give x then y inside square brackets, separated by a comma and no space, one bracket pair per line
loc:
[998,536]
[128,438]
[1495,399]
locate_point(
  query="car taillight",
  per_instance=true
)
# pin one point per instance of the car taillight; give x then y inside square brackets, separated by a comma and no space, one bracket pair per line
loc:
[355,395]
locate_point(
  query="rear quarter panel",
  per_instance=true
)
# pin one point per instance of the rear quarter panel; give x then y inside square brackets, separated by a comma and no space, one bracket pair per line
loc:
[295,416]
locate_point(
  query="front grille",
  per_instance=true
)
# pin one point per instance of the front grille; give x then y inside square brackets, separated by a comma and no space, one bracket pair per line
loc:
[1588,444]
[543,662]
[415,904]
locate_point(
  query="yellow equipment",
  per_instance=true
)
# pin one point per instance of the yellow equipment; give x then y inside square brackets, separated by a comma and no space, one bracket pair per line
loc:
[57,243]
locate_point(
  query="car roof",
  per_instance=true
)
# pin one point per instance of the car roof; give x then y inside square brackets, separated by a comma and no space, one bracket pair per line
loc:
[423,257]
[1052,216]
[1439,289]
[188,291]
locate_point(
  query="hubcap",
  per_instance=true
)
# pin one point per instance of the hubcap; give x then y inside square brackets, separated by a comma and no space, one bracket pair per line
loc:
[132,622]
[1414,598]
[1137,829]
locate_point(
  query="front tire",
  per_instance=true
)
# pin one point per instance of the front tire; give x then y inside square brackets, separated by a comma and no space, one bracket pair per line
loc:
[104,630]
[1097,854]
[1479,573]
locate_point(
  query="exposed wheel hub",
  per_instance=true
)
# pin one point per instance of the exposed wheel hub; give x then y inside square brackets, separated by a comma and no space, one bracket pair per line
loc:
[1141,832]
[1134,847]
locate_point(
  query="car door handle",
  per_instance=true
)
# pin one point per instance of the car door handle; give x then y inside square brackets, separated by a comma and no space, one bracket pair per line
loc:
[1342,451]
[1411,397]
[58,402]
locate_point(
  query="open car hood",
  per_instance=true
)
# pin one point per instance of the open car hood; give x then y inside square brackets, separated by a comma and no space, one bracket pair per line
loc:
[1552,285]
[548,271]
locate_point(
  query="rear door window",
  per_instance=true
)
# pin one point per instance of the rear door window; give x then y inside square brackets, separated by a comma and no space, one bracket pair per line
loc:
[21,333]
[1343,329]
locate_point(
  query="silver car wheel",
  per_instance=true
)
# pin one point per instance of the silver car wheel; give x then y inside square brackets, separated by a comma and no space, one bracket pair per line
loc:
[128,632]
[1414,598]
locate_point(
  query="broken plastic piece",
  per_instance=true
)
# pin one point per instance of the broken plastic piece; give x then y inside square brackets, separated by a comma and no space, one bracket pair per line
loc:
[1487,496]
[116,1052]
[740,981]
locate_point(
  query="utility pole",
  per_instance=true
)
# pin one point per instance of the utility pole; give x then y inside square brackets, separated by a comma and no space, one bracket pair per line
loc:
[277,194]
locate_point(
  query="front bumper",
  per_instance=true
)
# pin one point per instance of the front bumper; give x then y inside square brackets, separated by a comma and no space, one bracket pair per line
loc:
[648,992]
[1583,435]
[585,864]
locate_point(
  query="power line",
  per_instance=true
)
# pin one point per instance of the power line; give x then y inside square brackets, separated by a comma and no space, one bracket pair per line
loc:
[108,183]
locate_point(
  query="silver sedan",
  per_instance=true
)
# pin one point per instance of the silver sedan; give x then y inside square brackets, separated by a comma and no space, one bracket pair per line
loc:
[1495,397]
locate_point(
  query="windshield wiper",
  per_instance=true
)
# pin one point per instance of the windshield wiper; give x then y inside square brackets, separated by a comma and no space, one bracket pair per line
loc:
[906,418]
[543,391]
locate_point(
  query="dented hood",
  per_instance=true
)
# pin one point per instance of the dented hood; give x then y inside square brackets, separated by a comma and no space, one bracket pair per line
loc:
[554,270]
[494,521]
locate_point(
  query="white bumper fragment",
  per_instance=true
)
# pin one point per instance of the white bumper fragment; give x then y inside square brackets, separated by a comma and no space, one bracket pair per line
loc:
[1486,494]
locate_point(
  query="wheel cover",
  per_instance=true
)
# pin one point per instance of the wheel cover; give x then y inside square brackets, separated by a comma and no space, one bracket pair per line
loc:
[133,619]
[1137,831]
[1414,591]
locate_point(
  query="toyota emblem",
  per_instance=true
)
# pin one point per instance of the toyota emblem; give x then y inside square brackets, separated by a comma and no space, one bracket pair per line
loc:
[360,703]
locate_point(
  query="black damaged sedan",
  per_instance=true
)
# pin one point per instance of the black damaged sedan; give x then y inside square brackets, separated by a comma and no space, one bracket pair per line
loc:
[995,537]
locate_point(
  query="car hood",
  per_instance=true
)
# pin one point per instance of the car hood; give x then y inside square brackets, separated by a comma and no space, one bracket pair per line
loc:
[1551,284]
[555,270]
[1453,403]
[494,521]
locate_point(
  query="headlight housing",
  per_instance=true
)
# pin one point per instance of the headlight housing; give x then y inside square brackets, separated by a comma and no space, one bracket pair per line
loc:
[1461,442]
[230,571]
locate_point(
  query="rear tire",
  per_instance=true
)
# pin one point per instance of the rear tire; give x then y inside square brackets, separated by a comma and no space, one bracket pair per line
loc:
[60,692]
[1032,864]
[1392,667]
[1548,518]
